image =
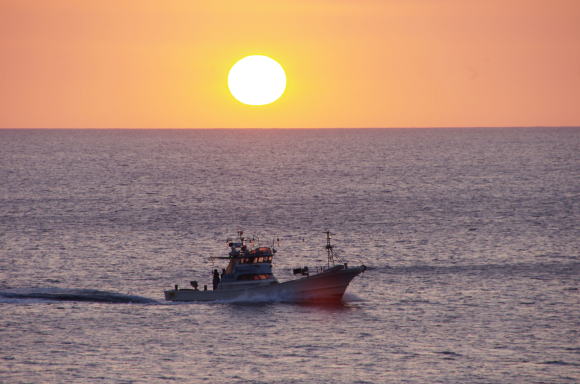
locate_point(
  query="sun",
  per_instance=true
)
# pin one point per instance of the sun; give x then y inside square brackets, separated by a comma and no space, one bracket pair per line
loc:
[257,80]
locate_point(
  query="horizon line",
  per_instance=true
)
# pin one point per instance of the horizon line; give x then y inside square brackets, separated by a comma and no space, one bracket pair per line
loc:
[294,128]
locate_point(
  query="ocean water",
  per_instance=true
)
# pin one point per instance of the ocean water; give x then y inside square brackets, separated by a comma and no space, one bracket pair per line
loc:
[472,237]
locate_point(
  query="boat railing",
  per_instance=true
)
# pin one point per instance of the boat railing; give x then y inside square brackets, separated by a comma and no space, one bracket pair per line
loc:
[324,268]
[306,271]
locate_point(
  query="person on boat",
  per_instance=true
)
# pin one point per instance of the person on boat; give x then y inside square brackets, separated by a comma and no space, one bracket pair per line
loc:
[216,279]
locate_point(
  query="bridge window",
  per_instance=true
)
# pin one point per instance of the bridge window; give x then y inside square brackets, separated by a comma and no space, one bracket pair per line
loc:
[255,260]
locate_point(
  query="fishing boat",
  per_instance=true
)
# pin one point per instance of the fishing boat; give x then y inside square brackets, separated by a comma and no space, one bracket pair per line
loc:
[248,277]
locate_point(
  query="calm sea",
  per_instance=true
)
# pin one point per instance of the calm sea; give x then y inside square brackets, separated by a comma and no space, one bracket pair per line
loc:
[472,237]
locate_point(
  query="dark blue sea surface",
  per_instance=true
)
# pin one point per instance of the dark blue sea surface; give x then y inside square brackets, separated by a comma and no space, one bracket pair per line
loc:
[472,237]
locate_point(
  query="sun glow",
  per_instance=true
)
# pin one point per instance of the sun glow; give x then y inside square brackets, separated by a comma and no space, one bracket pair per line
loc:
[257,80]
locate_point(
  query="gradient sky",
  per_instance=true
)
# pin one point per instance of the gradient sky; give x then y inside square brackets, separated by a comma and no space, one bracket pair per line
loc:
[365,63]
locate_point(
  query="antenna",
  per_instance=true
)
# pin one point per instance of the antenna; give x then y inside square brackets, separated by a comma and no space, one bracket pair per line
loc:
[329,247]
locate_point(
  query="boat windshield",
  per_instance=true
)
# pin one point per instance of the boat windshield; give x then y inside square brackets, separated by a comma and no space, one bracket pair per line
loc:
[254,260]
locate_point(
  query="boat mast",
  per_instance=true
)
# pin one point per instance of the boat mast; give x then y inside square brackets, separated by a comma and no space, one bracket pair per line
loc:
[329,247]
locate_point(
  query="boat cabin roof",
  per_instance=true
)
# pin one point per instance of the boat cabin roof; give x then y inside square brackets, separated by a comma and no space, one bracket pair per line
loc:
[262,251]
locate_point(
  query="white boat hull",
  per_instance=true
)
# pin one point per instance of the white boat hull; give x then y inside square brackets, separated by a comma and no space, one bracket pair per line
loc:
[327,286]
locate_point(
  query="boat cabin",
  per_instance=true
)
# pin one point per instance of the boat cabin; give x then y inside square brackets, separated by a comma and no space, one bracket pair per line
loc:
[248,266]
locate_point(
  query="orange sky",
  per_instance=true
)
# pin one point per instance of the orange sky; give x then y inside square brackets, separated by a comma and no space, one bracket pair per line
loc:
[359,63]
